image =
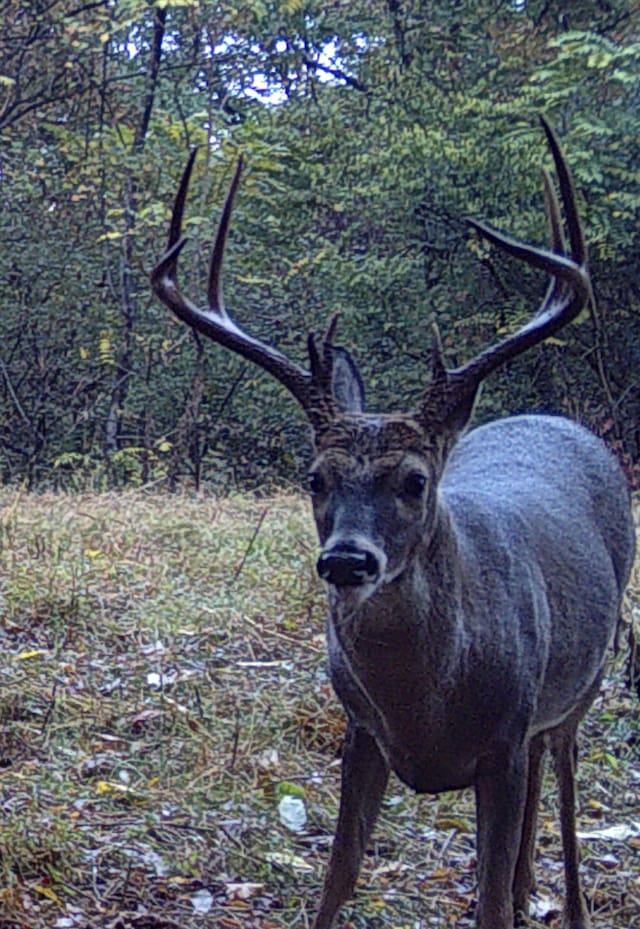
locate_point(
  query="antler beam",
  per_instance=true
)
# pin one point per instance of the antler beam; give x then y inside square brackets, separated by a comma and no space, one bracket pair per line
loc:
[570,286]
[214,322]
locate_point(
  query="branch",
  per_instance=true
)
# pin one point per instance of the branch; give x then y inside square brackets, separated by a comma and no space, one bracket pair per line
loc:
[337,73]
[154,68]
[16,402]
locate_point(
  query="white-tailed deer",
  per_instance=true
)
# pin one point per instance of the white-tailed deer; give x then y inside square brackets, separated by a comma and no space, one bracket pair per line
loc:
[474,581]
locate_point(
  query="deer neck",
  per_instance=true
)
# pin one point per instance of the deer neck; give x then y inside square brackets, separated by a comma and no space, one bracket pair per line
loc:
[414,620]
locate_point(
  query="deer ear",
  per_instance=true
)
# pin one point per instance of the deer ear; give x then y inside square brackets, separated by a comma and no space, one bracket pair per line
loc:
[346,384]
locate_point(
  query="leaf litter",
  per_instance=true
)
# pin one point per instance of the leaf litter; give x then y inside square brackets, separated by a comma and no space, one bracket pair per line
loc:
[163,689]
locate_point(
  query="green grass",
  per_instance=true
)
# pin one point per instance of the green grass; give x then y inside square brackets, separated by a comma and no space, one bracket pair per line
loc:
[162,675]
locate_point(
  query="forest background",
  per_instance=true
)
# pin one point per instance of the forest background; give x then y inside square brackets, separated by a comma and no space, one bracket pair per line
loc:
[163,685]
[370,130]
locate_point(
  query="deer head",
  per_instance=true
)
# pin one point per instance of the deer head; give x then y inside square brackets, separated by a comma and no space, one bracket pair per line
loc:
[374,477]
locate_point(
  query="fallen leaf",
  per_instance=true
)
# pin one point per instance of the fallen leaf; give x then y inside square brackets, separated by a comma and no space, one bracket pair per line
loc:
[618,833]
[288,859]
[201,901]
[243,891]
[49,893]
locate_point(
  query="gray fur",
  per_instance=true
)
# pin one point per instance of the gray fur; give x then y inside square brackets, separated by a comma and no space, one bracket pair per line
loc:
[488,639]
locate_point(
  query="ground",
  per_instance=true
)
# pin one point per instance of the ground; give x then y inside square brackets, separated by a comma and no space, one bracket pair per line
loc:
[163,689]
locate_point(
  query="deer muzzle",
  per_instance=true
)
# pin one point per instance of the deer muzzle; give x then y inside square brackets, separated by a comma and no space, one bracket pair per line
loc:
[348,565]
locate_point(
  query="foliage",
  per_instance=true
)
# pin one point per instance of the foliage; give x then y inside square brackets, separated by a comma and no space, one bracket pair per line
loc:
[370,130]
[164,685]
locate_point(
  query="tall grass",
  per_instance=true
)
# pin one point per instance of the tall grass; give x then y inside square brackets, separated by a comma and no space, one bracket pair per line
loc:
[163,682]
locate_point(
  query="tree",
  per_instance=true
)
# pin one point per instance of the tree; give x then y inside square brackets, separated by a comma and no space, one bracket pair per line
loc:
[370,130]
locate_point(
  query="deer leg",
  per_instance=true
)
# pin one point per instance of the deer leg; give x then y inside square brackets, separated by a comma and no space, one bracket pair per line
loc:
[563,750]
[524,880]
[364,778]
[501,793]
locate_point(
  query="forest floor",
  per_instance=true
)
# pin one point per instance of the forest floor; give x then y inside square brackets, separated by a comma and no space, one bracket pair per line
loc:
[163,689]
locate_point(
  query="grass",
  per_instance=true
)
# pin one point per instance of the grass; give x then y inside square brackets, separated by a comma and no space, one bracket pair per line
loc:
[163,683]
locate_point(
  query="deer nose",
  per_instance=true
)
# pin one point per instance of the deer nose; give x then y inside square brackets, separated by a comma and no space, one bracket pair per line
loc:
[348,566]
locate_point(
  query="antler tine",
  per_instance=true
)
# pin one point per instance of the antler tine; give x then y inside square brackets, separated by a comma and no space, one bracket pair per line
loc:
[214,322]
[554,264]
[321,361]
[568,192]
[558,242]
[215,293]
[438,369]
[175,229]
[164,275]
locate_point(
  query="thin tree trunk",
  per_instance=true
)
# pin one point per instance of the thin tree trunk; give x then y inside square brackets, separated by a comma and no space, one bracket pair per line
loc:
[128,297]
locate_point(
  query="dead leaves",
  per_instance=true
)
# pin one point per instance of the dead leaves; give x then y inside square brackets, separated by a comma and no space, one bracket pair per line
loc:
[153,718]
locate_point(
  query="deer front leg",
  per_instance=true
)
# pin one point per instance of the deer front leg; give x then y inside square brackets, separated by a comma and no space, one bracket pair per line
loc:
[501,792]
[364,778]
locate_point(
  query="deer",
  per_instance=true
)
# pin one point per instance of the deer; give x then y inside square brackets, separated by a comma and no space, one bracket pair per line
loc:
[474,576]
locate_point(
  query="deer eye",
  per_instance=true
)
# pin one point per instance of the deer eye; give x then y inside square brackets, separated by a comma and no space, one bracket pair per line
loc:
[414,484]
[316,483]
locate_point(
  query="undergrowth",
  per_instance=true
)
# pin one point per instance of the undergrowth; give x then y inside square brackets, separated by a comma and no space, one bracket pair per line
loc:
[163,684]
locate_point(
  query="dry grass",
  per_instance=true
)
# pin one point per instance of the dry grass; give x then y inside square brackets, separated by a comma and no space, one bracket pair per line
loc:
[163,681]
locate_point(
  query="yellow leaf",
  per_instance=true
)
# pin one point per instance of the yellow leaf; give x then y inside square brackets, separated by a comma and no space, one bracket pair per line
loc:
[595,805]
[453,822]
[49,893]
[35,653]
[119,790]
[92,552]
[110,787]
[440,874]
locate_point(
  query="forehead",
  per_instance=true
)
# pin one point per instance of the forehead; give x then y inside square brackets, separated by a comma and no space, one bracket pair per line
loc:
[369,438]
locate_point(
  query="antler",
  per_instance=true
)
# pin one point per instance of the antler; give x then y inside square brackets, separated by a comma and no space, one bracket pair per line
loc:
[567,294]
[311,388]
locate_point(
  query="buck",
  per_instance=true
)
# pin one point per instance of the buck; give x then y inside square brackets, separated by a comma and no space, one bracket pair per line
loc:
[474,580]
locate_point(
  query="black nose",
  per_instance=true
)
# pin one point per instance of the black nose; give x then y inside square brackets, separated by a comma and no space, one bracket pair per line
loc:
[347,566]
